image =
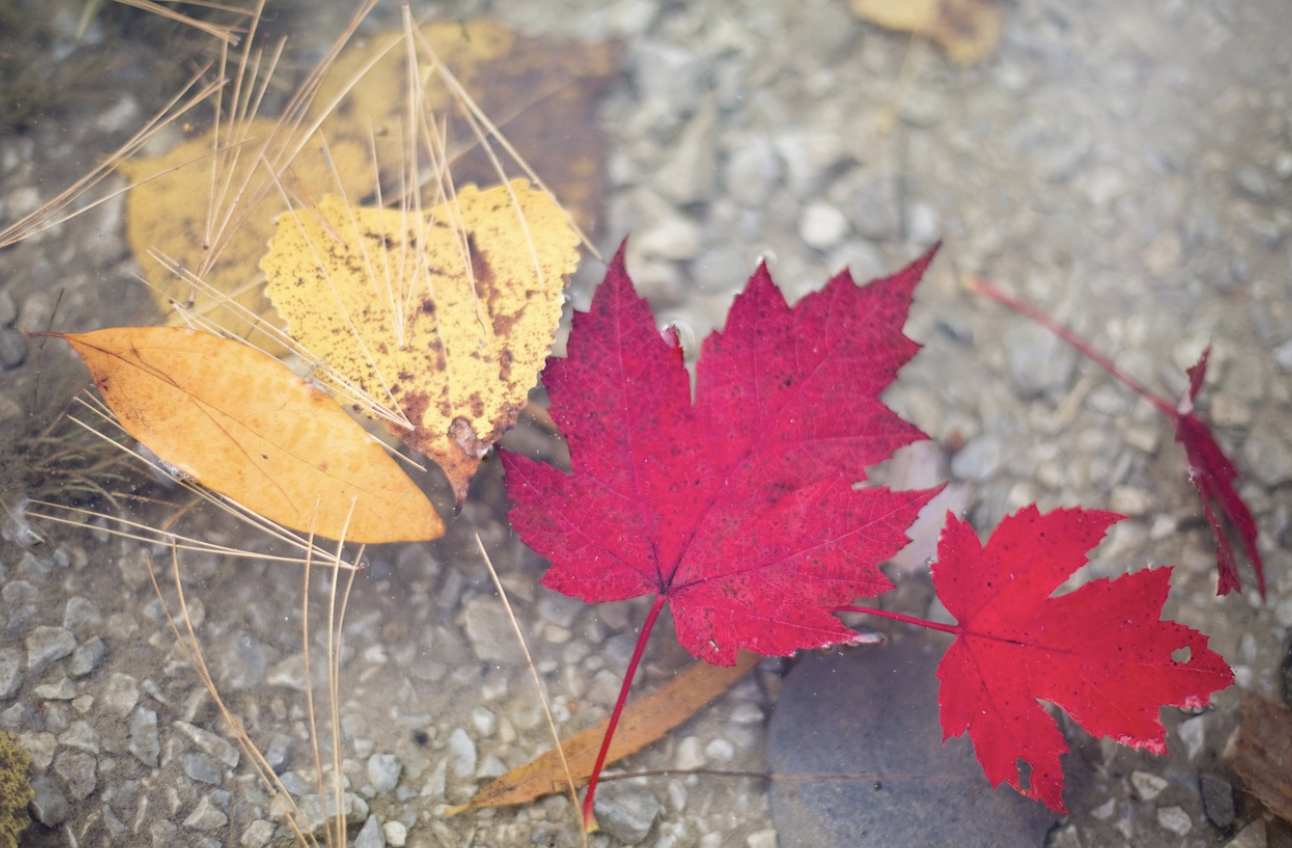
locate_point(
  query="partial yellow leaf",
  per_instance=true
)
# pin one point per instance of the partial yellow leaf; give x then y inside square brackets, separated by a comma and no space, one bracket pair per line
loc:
[541,95]
[447,318]
[643,722]
[241,423]
[967,30]
[208,204]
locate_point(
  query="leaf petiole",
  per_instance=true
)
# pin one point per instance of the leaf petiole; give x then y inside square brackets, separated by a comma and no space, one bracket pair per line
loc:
[589,820]
[908,619]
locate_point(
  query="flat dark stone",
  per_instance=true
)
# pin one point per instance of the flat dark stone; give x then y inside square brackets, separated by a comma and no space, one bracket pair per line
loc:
[857,757]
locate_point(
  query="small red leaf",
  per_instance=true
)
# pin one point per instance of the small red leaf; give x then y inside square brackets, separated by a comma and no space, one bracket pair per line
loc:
[1101,653]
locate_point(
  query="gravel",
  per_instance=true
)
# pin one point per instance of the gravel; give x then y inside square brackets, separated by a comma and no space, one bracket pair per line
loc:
[1091,165]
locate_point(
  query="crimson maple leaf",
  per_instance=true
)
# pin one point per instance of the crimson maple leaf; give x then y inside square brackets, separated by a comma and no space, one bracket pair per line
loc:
[739,509]
[1101,652]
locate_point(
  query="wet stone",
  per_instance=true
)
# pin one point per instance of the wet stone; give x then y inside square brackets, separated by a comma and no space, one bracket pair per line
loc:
[10,672]
[384,771]
[370,835]
[1037,361]
[145,742]
[626,811]
[206,816]
[212,743]
[1148,786]
[47,644]
[77,769]
[257,834]
[79,613]
[121,694]
[63,690]
[49,805]
[86,657]
[978,461]
[81,736]
[203,768]
[18,592]
[1217,800]
[13,348]
[1174,819]
[462,754]
[317,813]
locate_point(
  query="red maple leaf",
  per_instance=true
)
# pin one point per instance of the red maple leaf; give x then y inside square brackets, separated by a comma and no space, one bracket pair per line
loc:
[1101,652]
[739,509]
[1210,470]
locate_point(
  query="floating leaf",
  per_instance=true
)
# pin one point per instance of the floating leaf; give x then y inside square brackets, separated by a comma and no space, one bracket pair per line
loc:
[241,423]
[446,318]
[644,721]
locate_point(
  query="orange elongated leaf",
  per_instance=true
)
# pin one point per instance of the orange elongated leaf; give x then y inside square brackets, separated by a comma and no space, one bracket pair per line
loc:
[241,423]
[644,721]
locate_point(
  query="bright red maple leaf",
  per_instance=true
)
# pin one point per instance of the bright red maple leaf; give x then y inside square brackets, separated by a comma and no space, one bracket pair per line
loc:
[1210,470]
[1101,652]
[739,509]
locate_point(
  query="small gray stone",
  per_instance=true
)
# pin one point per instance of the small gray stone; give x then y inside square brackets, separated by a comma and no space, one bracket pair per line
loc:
[80,612]
[87,656]
[204,768]
[13,348]
[978,461]
[316,812]
[78,771]
[212,743]
[1037,361]
[18,592]
[206,816]
[370,835]
[752,171]
[10,672]
[82,736]
[689,174]
[145,742]
[1253,182]
[121,694]
[1268,454]
[625,811]
[384,771]
[63,690]
[809,156]
[1174,819]
[245,665]
[46,644]
[165,834]
[1217,799]
[49,805]
[276,752]
[462,754]
[872,207]
[821,225]
[489,630]
[8,309]
[257,834]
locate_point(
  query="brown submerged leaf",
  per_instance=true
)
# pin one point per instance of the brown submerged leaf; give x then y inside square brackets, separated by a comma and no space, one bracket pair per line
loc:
[241,423]
[644,721]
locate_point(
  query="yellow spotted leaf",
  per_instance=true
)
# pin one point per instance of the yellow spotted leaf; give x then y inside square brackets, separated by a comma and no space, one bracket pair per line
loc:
[446,318]
[241,423]
[967,30]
